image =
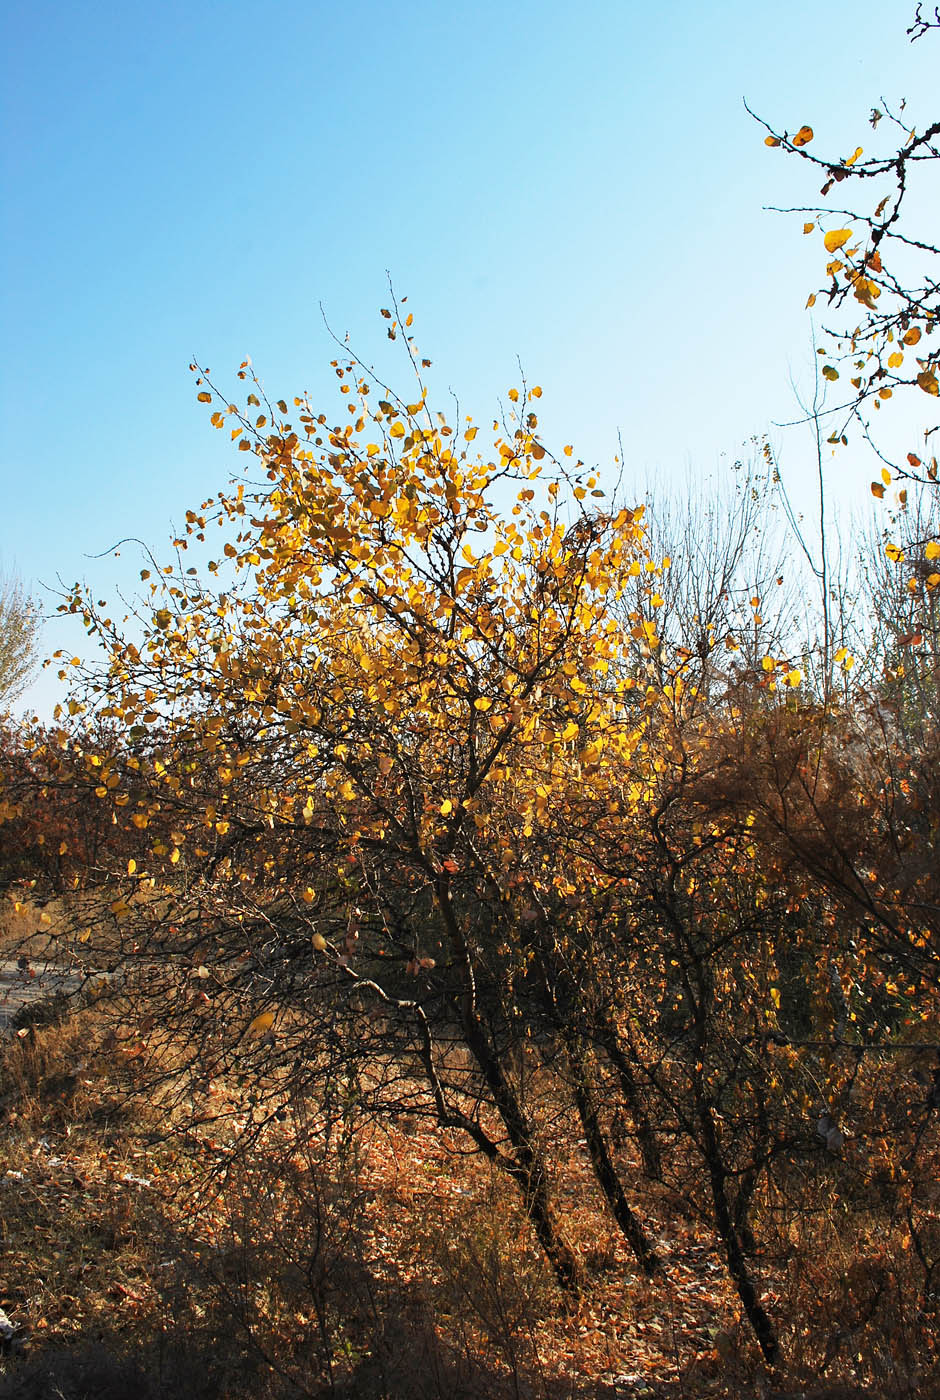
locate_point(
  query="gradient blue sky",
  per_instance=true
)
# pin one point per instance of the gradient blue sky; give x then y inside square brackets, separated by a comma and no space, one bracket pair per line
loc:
[576,185]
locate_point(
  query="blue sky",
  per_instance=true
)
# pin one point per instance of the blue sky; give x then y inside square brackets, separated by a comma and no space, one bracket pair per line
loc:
[577,186]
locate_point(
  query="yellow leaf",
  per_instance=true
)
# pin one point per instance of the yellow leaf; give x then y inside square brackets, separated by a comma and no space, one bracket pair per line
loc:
[775,996]
[927,381]
[896,359]
[768,663]
[837,238]
[204,397]
[319,942]
[810,300]
[830,372]
[570,730]
[131,866]
[771,140]
[803,136]
[853,158]
[808,228]
[261,1023]
[482,704]
[793,677]
[447,807]
[912,336]
[886,476]
[877,490]
[513,395]
[396,430]
[932,551]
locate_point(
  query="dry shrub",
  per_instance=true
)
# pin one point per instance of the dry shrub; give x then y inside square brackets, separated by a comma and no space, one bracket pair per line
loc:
[283,1254]
[490,1287]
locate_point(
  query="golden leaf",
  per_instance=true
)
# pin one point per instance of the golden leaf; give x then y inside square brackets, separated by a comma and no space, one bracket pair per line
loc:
[261,1023]
[803,136]
[836,238]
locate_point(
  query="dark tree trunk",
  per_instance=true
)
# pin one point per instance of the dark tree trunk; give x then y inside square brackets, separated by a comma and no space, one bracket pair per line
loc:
[602,1162]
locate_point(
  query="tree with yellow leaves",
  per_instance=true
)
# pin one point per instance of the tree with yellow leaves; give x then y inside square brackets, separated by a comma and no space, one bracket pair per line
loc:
[347,740]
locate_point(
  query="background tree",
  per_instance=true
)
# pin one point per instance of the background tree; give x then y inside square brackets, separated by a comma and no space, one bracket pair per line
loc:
[20,626]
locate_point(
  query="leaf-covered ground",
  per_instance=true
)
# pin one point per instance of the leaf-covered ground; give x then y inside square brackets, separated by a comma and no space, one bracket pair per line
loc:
[381,1262]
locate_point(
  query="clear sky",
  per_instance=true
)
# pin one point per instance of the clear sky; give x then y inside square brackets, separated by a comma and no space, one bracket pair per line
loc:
[575,185]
